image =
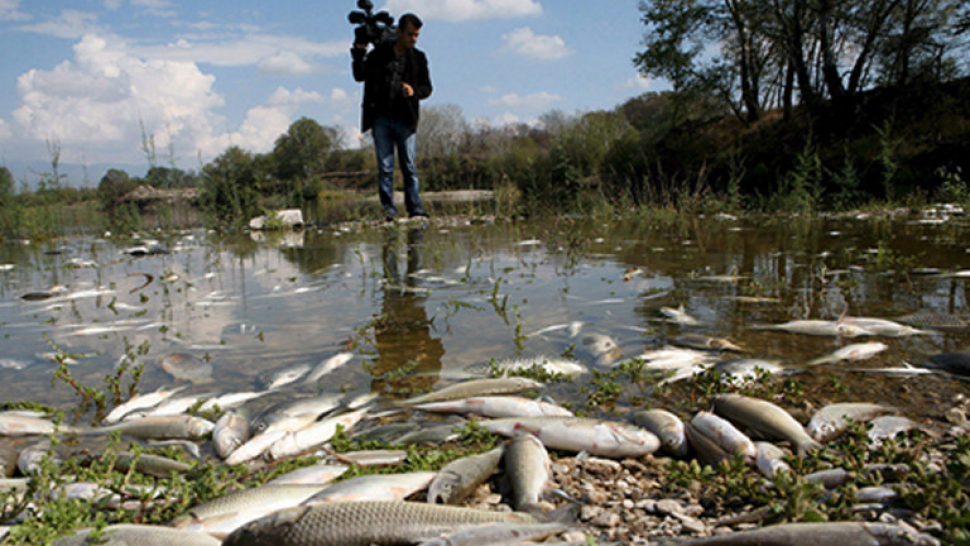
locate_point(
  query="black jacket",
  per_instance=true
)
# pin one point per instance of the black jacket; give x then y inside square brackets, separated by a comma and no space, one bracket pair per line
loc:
[382,93]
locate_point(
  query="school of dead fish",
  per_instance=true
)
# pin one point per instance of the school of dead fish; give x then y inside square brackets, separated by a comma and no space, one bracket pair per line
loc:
[308,507]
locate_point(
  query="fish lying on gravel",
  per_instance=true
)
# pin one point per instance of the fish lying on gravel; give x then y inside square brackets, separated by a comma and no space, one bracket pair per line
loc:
[163,426]
[527,465]
[459,478]
[320,473]
[832,421]
[363,524]
[812,534]
[889,426]
[316,434]
[15,423]
[666,426]
[127,534]
[138,402]
[594,436]
[475,387]
[764,419]
[496,406]
[725,435]
[855,351]
[771,459]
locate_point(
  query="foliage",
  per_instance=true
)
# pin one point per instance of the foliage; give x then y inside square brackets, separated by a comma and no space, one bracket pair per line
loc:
[230,187]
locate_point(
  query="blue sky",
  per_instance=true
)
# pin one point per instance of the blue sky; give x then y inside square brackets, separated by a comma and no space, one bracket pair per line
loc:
[200,76]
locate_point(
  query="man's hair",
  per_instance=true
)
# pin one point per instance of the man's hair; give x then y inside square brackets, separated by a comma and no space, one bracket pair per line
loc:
[410,19]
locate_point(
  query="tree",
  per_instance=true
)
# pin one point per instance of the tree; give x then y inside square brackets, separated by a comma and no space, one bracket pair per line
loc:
[302,151]
[6,185]
[442,127]
[229,186]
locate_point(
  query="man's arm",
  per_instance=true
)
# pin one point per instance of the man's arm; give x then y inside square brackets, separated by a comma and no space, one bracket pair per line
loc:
[422,88]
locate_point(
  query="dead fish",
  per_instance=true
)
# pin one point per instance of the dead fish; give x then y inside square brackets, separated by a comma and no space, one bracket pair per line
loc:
[811,534]
[162,426]
[475,387]
[703,342]
[186,367]
[362,524]
[8,459]
[881,327]
[832,421]
[316,434]
[747,369]
[889,426]
[14,423]
[375,487]
[679,316]
[221,515]
[957,363]
[496,407]
[320,473]
[459,478]
[725,435]
[594,436]
[527,465]
[666,426]
[275,379]
[934,320]
[765,419]
[771,459]
[127,534]
[375,457]
[328,366]
[500,533]
[817,328]
[855,351]
[152,465]
[230,431]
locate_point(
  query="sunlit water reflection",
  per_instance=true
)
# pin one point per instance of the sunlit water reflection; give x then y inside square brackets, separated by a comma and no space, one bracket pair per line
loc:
[419,305]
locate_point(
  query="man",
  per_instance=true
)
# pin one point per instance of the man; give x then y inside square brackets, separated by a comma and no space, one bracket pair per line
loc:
[396,78]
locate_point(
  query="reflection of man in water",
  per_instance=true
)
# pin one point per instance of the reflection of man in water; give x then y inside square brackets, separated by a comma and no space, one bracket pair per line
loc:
[403,332]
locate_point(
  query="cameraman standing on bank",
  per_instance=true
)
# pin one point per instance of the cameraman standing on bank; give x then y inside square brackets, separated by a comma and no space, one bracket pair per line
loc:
[396,78]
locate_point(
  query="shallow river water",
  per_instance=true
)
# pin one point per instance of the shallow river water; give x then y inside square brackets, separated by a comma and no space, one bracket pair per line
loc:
[421,305]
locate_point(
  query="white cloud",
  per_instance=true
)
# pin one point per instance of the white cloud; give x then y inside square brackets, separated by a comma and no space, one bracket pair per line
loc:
[536,46]
[535,101]
[112,4]
[285,63]
[465,10]
[99,101]
[286,98]
[68,24]
[9,11]
[247,50]
[638,82]
[5,132]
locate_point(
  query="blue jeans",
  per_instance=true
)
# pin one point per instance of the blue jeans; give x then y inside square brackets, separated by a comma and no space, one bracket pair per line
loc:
[388,135]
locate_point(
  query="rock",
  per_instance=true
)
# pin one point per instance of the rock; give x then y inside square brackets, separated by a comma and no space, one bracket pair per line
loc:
[601,467]
[669,506]
[288,218]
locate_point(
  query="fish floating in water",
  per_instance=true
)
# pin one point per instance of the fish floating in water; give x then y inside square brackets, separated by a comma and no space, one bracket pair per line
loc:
[855,351]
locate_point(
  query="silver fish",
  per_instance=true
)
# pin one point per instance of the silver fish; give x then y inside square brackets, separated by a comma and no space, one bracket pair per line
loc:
[126,534]
[811,534]
[328,365]
[725,435]
[831,422]
[666,426]
[702,342]
[679,316]
[363,524]
[882,327]
[375,487]
[855,351]
[475,387]
[316,434]
[275,379]
[597,437]
[496,406]
[459,478]
[817,328]
[771,459]
[320,474]
[765,419]
[375,457]
[14,423]
[230,431]
[889,426]
[140,401]
[220,516]
[528,467]
[164,426]
[499,533]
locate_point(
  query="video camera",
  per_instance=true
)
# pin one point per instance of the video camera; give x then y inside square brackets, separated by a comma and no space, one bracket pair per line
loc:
[372,28]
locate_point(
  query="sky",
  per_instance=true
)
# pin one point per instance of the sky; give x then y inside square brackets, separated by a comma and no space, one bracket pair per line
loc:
[92,78]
